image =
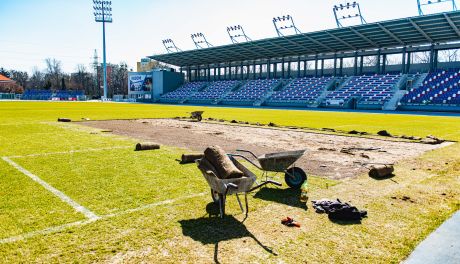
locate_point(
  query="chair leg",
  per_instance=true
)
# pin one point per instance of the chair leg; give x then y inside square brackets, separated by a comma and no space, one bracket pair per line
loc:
[239,202]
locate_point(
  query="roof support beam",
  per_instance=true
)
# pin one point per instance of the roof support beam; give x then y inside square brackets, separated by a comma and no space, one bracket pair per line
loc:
[262,48]
[364,37]
[452,24]
[420,30]
[281,47]
[318,43]
[340,40]
[297,44]
[391,34]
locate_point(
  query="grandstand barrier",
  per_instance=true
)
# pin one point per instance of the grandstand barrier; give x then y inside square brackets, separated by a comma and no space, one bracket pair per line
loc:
[7,96]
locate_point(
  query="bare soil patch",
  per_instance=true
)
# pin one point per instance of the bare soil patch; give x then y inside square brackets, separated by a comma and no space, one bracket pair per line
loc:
[331,156]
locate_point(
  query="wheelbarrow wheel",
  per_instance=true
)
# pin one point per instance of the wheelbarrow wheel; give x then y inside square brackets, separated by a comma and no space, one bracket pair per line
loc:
[295,177]
[215,196]
[199,118]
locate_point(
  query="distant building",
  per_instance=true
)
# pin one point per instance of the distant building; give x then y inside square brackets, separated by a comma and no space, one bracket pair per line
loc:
[5,80]
[147,65]
[9,86]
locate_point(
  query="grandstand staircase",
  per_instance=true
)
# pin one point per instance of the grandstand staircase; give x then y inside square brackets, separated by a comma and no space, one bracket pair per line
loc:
[191,94]
[326,91]
[418,82]
[392,105]
[270,92]
[238,86]
[344,81]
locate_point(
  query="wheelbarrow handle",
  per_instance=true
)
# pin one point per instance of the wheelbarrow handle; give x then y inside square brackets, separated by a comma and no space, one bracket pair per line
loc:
[248,160]
[247,151]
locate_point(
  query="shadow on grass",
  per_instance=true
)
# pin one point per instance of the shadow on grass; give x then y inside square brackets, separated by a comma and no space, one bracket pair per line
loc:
[345,223]
[290,197]
[388,177]
[212,230]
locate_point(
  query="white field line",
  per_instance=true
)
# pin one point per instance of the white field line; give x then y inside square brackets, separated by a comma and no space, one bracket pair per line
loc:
[56,229]
[79,208]
[69,152]
[44,231]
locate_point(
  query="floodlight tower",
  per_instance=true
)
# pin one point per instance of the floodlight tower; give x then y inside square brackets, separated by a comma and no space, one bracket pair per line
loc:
[237,32]
[170,46]
[348,11]
[424,3]
[198,39]
[103,14]
[284,23]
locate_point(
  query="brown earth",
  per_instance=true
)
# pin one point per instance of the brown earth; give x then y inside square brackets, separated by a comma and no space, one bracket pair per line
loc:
[331,156]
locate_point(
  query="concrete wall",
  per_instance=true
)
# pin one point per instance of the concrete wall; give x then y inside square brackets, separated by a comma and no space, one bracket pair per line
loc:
[165,81]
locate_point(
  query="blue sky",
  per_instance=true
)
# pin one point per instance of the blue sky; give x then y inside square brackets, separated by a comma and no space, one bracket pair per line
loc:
[32,30]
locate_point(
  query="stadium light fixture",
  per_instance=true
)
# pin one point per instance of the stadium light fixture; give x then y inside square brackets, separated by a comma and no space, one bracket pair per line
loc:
[237,32]
[199,39]
[424,3]
[103,14]
[348,11]
[285,23]
[170,46]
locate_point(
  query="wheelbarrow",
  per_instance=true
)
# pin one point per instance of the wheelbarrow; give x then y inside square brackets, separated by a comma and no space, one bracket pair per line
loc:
[279,162]
[221,188]
[198,115]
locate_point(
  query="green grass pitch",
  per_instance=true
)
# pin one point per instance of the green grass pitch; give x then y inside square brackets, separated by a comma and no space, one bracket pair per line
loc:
[151,208]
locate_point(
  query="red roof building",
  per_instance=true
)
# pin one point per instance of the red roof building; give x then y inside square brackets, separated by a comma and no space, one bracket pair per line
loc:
[4,79]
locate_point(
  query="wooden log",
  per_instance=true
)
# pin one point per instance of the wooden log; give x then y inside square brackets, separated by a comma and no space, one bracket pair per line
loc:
[381,171]
[147,146]
[190,158]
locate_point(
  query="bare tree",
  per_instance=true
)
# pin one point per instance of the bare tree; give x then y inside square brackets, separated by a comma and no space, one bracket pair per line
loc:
[4,72]
[119,79]
[54,72]
[421,57]
[20,77]
[370,61]
[448,55]
[38,79]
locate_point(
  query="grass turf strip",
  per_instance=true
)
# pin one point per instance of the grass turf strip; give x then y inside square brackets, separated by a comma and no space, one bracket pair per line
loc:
[24,112]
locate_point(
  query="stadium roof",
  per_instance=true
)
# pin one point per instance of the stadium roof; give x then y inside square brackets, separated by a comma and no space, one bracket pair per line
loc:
[437,28]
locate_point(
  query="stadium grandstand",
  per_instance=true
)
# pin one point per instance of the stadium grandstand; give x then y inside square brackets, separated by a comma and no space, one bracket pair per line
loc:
[328,68]
[58,95]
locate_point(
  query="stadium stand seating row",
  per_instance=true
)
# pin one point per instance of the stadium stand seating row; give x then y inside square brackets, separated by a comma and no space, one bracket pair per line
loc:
[368,89]
[438,88]
[251,91]
[301,90]
[35,94]
[214,91]
[183,92]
